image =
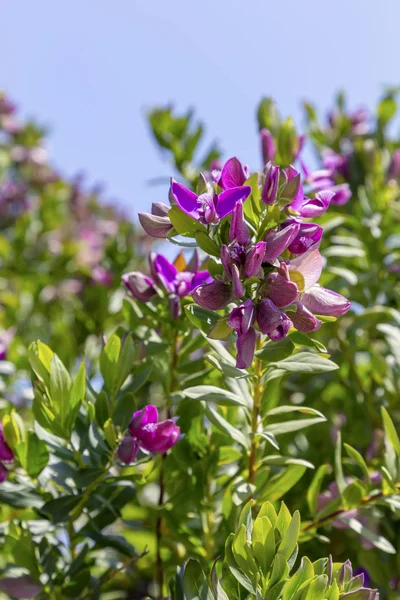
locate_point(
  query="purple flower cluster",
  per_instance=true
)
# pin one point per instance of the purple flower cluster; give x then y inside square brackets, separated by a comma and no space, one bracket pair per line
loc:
[331,177]
[6,455]
[269,265]
[148,433]
[167,277]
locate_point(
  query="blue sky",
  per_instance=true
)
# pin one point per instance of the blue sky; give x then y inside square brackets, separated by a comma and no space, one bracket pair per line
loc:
[90,68]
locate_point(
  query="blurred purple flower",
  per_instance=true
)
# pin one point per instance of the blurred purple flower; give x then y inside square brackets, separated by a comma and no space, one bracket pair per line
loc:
[6,337]
[233,174]
[268,146]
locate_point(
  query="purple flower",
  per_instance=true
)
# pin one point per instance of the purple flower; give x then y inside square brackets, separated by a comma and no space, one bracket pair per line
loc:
[127,450]
[280,290]
[254,259]
[3,473]
[245,346]
[338,164]
[268,146]
[342,194]
[214,296]
[6,454]
[157,224]
[101,276]
[307,237]
[175,282]
[325,302]
[233,174]
[314,207]
[278,241]
[151,434]
[303,319]
[242,317]
[208,207]
[270,187]
[140,286]
[394,167]
[298,193]
[6,338]
[272,321]
[238,230]
[23,586]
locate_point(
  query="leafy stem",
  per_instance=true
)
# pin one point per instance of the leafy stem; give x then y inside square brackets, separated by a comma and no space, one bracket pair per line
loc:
[258,390]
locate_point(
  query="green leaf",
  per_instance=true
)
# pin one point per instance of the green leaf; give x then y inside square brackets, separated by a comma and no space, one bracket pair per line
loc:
[33,454]
[58,510]
[195,586]
[391,437]
[358,459]
[386,109]
[377,540]
[290,426]
[263,542]
[305,362]
[315,488]
[60,387]
[78,389]
[183,223]
[281,410]
[276,351]
[207,244]
[211,393]
[303,574]
[102,408]
[109,362]
[281,483]
[289,540]
[124,409]
[223,425]
[125,363]
[340,480]
[201,318]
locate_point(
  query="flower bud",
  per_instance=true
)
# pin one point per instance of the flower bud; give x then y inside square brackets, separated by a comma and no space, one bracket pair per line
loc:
[280,290]
[272,321]
[270,187]
[238,230]
[254,259]
[155,225]
[245,346]
[127,450]
[268,146]
[241,317]
[278,241]
[140,286]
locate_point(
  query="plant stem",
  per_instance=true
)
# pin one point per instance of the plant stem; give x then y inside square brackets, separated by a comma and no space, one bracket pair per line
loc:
[254,421]
[159,521]
[340,511]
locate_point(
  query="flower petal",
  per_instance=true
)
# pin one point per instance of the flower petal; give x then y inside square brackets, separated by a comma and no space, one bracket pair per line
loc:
[200,278]
[165,272]
[161,437]
[232,174]
[280,290]
[246,345]
[325,302]
[227,200]
[127,450]
[309,265]
[185,199]
[238,230]
[303,319]
[214,296]
[254,259]
[155,226]
[272,321]
[278,241]
[241,317]
[268,146]
[140,286]
[148,414]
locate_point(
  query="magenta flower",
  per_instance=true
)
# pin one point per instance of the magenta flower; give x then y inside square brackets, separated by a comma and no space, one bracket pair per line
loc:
[307,237]
[214,296]
[278,241]
[241,320]
[208,207]
[6,454]
[233,174]
[342,194]
[238,230]
[141,287]
[6,337]
[394,167]
[270,188]
[272,321]
[150,434]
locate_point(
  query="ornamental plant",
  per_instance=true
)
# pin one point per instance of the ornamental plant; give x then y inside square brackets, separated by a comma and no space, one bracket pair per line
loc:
[170,451]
